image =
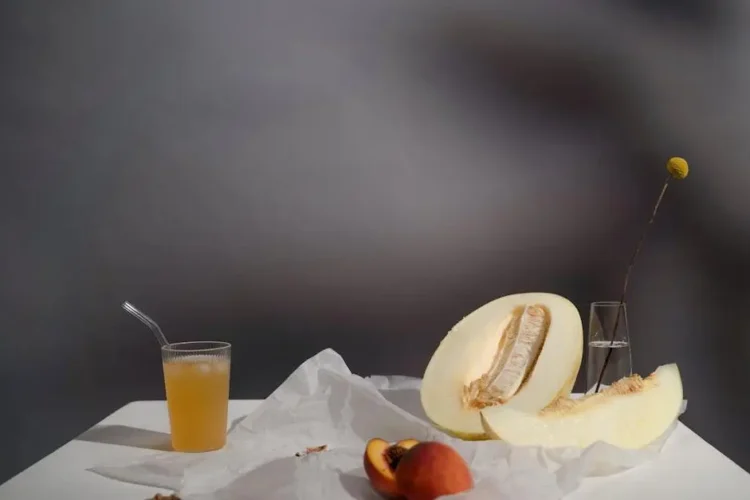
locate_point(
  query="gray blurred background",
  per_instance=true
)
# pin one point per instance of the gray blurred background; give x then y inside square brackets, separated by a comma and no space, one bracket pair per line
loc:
[291,175]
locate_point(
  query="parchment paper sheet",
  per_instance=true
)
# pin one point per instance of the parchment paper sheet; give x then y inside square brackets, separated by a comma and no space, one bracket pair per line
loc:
[323,403]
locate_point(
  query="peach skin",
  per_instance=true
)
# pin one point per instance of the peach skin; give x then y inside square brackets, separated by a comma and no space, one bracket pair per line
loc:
[432,469]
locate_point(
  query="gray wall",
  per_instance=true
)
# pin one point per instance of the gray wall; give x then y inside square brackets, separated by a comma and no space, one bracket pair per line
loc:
[293,175]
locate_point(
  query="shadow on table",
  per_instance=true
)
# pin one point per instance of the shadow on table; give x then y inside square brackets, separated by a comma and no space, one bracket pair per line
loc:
[135,437]
[357,486]
[275,478]
[124,435]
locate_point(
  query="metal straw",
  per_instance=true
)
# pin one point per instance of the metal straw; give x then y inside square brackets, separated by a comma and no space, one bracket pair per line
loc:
[146,321]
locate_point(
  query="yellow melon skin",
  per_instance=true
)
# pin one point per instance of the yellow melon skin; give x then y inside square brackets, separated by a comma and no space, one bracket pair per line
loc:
[467,351]
[630,414]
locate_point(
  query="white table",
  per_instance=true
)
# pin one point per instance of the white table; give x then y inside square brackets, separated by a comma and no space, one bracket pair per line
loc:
[688,468]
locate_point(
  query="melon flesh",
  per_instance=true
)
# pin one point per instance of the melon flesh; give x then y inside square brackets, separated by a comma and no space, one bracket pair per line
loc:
[631,413]
[522,351]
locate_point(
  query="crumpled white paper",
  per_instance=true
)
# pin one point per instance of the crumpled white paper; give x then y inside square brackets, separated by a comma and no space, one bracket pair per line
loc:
[323,403]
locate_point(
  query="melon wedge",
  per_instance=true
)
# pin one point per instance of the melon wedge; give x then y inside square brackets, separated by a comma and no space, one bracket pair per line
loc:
[631,413]
[522,351]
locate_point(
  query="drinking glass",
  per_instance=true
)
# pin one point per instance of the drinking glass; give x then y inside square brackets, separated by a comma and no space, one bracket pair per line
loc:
[603,337]
[196,380]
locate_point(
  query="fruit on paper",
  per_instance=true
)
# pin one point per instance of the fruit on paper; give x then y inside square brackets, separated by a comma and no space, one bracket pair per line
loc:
[380,461]
[520,351]
[631,413]
[430,470]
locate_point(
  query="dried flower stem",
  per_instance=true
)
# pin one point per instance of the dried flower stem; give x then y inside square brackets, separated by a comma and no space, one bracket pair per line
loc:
[627,280]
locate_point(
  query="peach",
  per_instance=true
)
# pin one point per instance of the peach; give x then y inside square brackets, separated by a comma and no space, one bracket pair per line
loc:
[381,459]
[431,469]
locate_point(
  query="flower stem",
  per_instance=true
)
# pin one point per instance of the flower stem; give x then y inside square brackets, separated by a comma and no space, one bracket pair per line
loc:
[627,281]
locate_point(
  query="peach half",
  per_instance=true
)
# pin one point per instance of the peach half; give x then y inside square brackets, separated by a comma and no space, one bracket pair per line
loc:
[432,469]
[381,460]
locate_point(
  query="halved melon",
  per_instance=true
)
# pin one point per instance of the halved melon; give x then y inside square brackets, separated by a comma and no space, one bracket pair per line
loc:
[631,413]
[522,351]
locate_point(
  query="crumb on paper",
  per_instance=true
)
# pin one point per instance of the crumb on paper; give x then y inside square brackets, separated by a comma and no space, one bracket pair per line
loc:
[313,449]
[159,496]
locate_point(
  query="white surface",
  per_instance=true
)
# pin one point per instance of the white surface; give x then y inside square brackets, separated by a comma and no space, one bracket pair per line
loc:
[689,468]
[62,475]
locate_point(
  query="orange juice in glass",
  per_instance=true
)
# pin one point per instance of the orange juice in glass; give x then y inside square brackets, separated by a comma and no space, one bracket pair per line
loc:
[196,379]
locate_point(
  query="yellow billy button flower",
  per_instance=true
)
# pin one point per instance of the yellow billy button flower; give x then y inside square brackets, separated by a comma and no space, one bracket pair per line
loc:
[677,168]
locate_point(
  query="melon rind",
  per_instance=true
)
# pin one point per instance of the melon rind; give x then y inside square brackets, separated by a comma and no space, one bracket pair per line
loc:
[630,414]
[466,348]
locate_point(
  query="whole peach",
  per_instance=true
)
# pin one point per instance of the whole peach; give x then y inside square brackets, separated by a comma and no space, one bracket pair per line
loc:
[431,469]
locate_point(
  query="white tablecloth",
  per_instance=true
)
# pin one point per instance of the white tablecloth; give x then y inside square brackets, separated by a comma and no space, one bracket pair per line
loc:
[688,468]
